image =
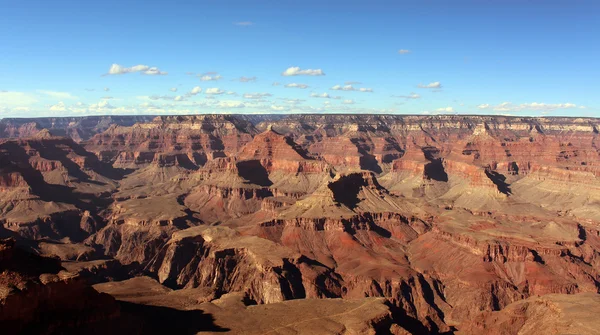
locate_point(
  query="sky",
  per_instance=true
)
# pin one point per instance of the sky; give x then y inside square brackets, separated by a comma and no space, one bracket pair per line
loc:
[509,57]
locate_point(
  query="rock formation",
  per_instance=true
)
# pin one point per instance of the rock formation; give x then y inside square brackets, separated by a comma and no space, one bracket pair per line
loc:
[439,224]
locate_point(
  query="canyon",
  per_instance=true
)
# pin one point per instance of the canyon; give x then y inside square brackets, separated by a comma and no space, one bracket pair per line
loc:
[311,223]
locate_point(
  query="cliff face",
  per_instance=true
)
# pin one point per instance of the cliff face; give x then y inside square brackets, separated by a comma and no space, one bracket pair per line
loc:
[77,128]
[446,217]
[38,296]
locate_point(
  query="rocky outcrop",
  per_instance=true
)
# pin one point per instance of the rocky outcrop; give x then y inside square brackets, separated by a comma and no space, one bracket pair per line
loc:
[547,314]
[444,217]
[200,138]
[220,259]
[38,296]
[78,128]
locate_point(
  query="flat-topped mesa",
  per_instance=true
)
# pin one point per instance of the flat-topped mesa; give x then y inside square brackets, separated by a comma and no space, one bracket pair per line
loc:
[342,123]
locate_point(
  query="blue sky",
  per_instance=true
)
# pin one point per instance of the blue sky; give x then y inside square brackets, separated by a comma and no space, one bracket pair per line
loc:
[472,57]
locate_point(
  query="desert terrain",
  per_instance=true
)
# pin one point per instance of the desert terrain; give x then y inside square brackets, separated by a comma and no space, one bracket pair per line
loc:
[300,224]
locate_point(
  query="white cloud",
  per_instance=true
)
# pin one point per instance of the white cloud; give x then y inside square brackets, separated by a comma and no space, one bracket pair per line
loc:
[148,105]
[351,88]
[404,51]
[195,90]
[173,89]
[295,85]
[231,104]
[106,89]
[231,93]
[59,107]
[256,95]
[352,83]
[58,95]
[348,102]
[530,106]
[434,85]
[247,79]
[296,71]
[445,110]
[101,105]
[324,95]
[292,101]
[244,23]
[412,95]
[161,97]
[278,108]
[214,90]
[210,77]
[144,69]
[179,98]
[107,98]
[276,84]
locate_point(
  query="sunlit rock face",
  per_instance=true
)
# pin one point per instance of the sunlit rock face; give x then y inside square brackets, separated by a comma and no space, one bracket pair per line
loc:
[455,222]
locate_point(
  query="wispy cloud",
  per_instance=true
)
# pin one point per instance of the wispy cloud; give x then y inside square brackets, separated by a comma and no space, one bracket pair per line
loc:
[530,106]
[352,83]
[144,69]
[278,108]
[404,51]
[214,91]
[58,107]
[295,85]
[173,89]
[296,71]
[445,110]
[231,104]
[324,95]
[348,102]
[210,76]
[101,105]
[166,97]
[351,88]
[58,95]
[244,23]
[433,85]
[246,79]
[412,95]
[257,95]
